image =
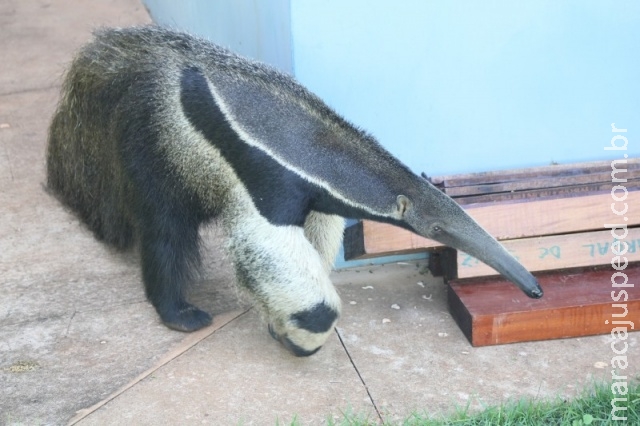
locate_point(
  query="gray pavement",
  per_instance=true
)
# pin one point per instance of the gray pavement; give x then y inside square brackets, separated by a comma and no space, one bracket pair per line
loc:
[79,343]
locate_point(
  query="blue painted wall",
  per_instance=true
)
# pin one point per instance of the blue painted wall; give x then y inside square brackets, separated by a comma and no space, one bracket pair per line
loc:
[254,28]
[461,86]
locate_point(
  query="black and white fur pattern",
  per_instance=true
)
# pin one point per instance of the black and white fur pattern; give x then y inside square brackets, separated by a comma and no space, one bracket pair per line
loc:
[158,132]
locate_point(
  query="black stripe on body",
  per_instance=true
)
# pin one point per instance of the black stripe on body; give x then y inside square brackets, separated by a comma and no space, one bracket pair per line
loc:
[281,196]
[303,132]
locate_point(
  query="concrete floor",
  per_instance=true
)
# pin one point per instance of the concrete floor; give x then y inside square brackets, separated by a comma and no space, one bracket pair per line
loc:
[79,343]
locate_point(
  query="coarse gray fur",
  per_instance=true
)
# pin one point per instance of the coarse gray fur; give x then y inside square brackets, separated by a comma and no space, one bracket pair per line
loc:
[158,131]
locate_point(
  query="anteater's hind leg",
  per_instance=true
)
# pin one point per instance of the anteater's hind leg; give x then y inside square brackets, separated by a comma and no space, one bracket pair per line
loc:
[324,231]
[169,244]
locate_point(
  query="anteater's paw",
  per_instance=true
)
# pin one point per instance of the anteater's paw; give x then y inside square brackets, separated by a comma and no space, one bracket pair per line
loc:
[290,346]
[187,319]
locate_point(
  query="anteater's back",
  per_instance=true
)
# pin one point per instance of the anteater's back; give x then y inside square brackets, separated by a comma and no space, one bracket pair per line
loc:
[110,88]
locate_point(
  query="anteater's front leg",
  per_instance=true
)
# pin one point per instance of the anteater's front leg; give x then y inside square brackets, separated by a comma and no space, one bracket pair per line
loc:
[288,277]
[169,245]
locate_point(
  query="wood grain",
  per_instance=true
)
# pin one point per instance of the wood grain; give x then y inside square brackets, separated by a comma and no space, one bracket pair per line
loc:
[542,193]
[576,303]
[538,183]
[513,175]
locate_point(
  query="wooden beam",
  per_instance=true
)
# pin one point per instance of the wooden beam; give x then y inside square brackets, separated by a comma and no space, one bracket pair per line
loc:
[547,253]
[368,239]
[539,183]
[504,221]
[541,193]
[532,173]
[575,303]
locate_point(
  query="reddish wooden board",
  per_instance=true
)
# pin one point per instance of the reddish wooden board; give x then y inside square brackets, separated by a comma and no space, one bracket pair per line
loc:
[575,303]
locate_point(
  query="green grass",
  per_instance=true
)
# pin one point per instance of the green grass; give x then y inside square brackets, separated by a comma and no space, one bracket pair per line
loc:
[592,407]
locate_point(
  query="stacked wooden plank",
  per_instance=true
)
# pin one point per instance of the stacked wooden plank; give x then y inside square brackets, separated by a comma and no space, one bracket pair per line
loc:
[570,180]
[576,303]
[552,219]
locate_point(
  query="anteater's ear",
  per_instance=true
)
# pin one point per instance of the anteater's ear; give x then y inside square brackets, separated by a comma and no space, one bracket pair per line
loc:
[403,204]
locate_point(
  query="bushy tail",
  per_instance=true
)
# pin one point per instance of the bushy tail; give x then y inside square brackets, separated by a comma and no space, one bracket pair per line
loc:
[82,162]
